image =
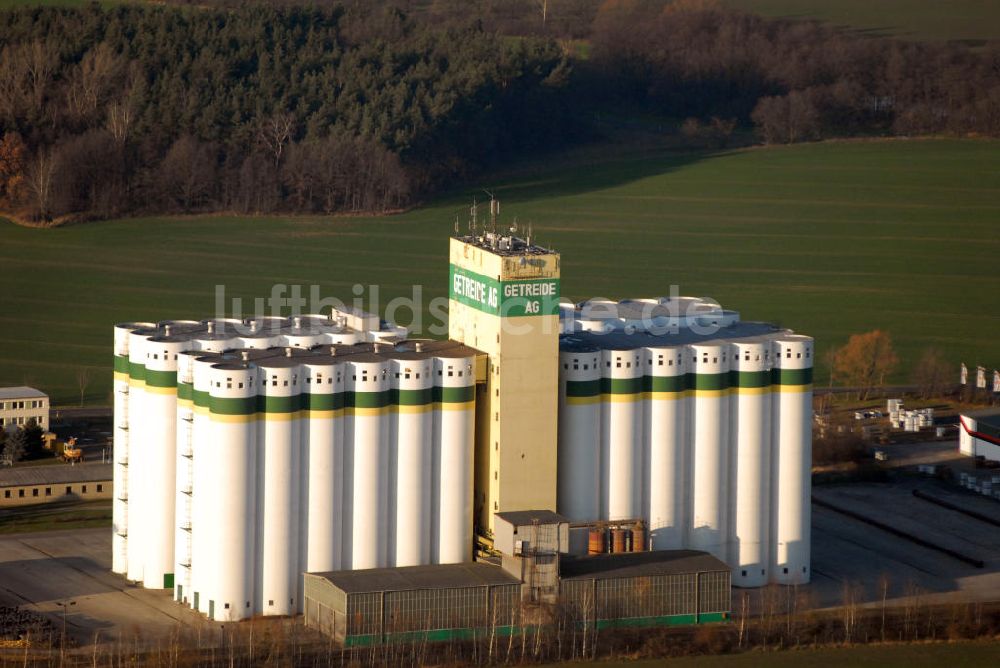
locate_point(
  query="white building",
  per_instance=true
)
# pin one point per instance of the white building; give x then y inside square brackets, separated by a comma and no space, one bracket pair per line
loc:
[979,434]
[21,405]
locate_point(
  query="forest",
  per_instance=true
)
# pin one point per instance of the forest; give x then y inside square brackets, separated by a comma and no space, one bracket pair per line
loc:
[371,106]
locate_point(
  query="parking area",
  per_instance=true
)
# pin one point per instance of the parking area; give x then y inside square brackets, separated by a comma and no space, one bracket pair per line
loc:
[69,572]
[849,551]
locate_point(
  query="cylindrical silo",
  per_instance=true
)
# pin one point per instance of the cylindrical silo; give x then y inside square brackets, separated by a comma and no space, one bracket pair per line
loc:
[160,444]
[138,467]
[792,459]
[621,434]
[665,445]
[751,420]
[455,421]
[412,385]
[205,487]
[230,462]
[710,451]
[183,497]
[279,455]
[579,435]
[322,464]
[119,536]
[365,459]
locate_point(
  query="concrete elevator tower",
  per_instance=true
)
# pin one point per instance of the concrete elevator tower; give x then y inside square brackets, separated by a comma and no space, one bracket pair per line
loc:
[504,301]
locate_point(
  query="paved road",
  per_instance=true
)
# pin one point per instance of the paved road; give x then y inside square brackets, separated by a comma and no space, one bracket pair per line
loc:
[41,571]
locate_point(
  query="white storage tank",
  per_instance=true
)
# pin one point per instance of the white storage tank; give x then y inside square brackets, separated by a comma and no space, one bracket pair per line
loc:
[792,459]
[579,434]
[751,423]
[322,464]
[366,432]
[452,459]
[279,453]
[711,451]
[621,434]
[666,446]
[412,391]
[230,463]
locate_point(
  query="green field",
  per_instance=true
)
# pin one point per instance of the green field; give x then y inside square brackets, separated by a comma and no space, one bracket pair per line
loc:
[925,655]
[55,516]
[828,239]
[967,20]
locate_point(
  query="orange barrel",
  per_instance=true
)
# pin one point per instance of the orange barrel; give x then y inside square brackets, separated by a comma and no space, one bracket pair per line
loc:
[596,543]
[638,538]
[618,540]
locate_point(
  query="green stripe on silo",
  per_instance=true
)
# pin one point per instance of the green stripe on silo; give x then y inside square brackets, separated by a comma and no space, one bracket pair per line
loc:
[161,378]
[621,385]
[121,364]
[200,397]
[709,381]
[791,376]
[749,378]
[420,397]
[185,391]
[454,395]
[665,383]
[323,402]
[366,399]
[266,404]
[233,405]
[136,371]
[583,388]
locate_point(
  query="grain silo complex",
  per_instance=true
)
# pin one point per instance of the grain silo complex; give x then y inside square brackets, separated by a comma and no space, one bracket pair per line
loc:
[251,452]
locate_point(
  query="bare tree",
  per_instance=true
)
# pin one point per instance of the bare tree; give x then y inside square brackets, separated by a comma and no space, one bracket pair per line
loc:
[274,133]
[40,175]
[83,375]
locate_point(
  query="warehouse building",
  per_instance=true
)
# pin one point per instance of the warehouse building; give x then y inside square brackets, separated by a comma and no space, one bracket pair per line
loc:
[470,601]
[979,434]
[254,451]
[27,485]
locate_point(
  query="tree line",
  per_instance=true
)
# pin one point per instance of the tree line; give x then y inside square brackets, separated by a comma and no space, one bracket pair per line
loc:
[370,105]
[138,108]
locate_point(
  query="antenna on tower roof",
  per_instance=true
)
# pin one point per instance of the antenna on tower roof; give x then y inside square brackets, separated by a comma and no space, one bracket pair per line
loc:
[456,224]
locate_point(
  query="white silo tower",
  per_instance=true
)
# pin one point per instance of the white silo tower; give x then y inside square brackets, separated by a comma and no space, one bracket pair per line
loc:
[120,507]
[230,461]
[621,434]
[579,435]
[205,484]
[160,457]
[322,464]
[751,422]
[455,422]
[138,467]
[791,459]
[710,452]
[412,383]
[366,433]
[279,454]
[665,445]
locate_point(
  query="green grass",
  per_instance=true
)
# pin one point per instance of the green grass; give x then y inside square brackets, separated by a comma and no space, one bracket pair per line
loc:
[828,239]
[55,516]
[929,655]
[966,20]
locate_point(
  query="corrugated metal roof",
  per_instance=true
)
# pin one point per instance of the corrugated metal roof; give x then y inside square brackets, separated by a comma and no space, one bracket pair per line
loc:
[635,564]
[437,576]
[54,474]
[21,392]
[520,518]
